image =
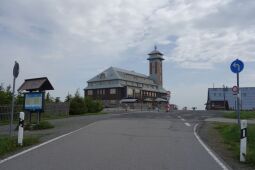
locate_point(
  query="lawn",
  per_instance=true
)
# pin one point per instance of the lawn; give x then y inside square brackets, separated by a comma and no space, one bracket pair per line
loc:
[243,115]
[230,134]
[9,144]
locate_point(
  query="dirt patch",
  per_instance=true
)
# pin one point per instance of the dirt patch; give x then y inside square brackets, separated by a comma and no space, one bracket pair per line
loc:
[212,138]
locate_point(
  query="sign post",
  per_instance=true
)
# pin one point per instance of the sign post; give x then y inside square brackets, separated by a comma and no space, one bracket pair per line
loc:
[243,140]
[21,128]
[236,67]
[15,75]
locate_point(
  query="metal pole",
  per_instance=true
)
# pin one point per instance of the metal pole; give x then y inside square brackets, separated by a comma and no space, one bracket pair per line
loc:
[238,100]
[224,97]
[13,99]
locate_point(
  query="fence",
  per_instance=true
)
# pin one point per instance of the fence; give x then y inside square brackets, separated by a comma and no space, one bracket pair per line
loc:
[53,109]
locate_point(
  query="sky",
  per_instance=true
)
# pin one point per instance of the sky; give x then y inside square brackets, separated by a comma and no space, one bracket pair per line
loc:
[71,41]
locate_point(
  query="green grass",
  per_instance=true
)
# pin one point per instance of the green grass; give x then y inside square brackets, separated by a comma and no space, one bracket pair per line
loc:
[9,145]
[41,126]
[230,134]
[243,115]
[49,116]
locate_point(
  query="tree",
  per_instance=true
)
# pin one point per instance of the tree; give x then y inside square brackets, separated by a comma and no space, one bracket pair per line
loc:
[20,99]
[77,105]
[57,99]
[68,97]
[5,95]
[48,98]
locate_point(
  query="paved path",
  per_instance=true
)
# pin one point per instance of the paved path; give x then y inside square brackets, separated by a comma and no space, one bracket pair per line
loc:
[142,141]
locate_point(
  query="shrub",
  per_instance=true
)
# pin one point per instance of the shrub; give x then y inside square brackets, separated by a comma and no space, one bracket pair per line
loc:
[77,106]
[93,106]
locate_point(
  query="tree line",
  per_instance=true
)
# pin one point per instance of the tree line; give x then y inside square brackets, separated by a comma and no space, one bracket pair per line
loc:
[78,104]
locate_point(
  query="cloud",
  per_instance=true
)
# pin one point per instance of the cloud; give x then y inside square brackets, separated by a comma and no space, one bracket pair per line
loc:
[75,38]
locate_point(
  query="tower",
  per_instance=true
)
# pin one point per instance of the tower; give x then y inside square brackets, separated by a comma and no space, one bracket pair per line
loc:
[155,66]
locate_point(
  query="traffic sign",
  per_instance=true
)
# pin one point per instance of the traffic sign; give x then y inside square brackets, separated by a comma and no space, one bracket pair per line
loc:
[237,66]
[235,89]
[16,69]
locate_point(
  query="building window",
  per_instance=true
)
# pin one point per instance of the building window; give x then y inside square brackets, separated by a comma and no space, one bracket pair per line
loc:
[90,92]
[112,91]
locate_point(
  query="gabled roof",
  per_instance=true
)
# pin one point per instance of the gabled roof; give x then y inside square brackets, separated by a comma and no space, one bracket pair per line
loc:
[114,73]
[34,84]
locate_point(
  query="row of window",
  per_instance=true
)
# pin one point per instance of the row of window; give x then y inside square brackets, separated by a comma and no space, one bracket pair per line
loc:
[101,92]
[222,94]
[148,93]
[113,91]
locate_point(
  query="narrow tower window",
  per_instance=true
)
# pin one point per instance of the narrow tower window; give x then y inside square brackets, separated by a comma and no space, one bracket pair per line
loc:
[150,68]
[156,67]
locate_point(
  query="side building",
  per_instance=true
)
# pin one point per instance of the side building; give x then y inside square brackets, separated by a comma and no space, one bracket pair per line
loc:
[115,85]
[224,99]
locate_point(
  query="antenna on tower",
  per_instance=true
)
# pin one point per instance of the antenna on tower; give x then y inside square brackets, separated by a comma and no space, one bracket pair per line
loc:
[155,47]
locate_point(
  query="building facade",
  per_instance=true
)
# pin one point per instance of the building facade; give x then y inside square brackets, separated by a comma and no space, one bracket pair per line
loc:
[224,99]
[115,85]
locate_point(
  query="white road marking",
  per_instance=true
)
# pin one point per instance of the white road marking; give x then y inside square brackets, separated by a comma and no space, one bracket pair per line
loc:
[208,150]
[181,118]
[187,124]
[38,146]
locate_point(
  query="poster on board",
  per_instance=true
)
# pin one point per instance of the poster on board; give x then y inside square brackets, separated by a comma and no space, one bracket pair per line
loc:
[34,101]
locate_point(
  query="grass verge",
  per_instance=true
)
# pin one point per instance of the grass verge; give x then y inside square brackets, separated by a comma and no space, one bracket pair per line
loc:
[230,134]
[9,144]
[41,126]
[243,115]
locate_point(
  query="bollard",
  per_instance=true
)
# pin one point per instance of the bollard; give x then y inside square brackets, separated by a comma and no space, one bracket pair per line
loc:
[21,128]
[243,140]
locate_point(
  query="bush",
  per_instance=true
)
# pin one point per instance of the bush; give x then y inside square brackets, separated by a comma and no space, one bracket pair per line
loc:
[93,106]
[77,106]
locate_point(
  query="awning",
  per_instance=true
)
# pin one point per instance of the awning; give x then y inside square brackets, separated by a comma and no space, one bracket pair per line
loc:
[128,100]
[160,100]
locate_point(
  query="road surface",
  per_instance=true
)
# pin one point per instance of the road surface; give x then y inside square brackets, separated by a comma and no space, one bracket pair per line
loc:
[133,141]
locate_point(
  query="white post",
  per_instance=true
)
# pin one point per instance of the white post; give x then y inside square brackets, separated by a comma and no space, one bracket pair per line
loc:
[243,140]
[21,128]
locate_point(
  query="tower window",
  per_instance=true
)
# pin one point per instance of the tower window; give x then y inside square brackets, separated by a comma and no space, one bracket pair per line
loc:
[150,68]
[156,67]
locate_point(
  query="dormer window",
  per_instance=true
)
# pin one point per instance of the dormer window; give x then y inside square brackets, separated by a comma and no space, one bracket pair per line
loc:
[102,76]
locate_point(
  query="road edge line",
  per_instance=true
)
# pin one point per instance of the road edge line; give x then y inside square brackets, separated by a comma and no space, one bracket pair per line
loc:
[208,150]
[38,146]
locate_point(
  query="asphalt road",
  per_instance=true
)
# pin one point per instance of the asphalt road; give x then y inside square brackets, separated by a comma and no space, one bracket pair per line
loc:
[133,141]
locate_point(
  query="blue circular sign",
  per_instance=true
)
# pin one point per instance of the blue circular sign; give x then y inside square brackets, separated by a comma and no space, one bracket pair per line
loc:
[237,66]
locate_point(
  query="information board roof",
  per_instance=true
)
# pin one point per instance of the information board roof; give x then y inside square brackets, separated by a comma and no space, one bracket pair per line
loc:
[40,84]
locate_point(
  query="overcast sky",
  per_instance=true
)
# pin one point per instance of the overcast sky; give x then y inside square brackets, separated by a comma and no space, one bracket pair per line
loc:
[72,41]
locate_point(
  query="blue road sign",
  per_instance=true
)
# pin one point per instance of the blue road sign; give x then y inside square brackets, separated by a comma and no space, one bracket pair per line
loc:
[237,66]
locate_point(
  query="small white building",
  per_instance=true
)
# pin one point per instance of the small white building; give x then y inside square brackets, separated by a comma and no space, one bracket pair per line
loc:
[223,98]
